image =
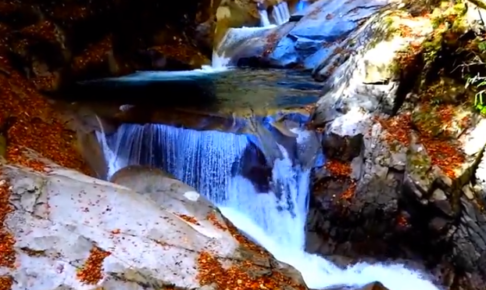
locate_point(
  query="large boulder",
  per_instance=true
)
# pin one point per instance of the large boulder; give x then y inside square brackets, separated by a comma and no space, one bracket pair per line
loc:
[404,143]
[66,230]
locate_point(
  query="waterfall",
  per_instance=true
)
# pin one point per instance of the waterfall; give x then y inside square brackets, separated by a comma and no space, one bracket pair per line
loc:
[276,221]
[264,20]
[281,13]
[204,163]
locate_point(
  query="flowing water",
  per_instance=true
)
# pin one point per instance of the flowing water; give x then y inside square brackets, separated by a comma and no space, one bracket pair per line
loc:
[281,13]
[204,159]
[264,20]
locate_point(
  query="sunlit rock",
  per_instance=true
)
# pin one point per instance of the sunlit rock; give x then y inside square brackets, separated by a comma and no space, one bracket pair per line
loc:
[70,230]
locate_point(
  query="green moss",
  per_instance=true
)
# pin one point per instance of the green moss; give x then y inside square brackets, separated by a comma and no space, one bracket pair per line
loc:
[385,29]
[449,23]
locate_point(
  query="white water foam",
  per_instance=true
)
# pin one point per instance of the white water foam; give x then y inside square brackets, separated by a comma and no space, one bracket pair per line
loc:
[282,233]
[218,63]
[277,223]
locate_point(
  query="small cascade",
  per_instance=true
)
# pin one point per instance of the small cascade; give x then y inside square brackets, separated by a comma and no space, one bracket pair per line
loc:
[281,13]
[264,20]
[218,63]
[276,220]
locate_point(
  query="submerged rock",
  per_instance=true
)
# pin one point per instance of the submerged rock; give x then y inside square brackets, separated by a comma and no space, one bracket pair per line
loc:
[343,148]
[68,230]
[253,166]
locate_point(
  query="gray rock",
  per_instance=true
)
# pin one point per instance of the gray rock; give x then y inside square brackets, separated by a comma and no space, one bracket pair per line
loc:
[152,240]
[406,203]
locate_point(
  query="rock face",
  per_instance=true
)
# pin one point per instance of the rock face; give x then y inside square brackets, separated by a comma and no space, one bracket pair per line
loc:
[56,43]
[70,231]
[411,188]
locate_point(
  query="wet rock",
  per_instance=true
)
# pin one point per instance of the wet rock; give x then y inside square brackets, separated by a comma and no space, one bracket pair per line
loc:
[370,286]
[254,167]
[343,148]
[76,223]
[143,179]
[92,151]
[374,286]
[295,18]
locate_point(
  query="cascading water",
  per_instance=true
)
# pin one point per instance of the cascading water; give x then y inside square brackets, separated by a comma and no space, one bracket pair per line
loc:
[264,20]
[301,6]
[204,160]
[281,13]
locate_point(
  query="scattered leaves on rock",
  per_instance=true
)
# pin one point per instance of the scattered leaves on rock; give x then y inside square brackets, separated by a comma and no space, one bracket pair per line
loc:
[92,271]
[240,277]
[445,153]
[6,283]
[349,192]
[189,219]
[337,168]
[214,220]
[35,125]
